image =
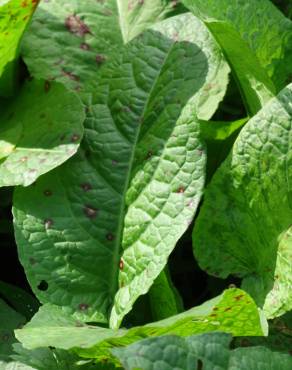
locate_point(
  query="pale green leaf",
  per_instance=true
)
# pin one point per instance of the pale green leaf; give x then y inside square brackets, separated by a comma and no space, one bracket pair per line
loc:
[15,16]
[40,129]
[244,227]
[233,312]
[142,131]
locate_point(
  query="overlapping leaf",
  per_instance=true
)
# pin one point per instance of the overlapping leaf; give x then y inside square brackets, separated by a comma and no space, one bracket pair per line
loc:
[9,320]
[233,312]
[235,32]
[244,227]
[15,16]
[40,129]
[264,28]
[207,351]
[80,237]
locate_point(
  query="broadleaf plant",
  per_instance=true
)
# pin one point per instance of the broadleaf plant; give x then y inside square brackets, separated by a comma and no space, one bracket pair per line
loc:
[145,201]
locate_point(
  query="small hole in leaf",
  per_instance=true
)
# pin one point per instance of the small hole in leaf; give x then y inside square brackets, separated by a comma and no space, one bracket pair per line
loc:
[43,286]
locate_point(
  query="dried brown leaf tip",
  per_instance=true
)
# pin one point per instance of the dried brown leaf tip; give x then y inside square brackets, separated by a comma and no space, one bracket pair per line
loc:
[76,26]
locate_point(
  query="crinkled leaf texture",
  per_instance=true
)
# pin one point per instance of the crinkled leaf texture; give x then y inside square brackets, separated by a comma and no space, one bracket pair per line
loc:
[81,238]
[244,226]
[206,351]
[40,129]
[263,27]
[253,81]
[15,365]
[232,312]
[85,34]
[15,16]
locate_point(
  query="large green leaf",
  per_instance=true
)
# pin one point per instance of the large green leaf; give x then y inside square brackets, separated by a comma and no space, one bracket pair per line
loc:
[9,320]
[252,79]
[244,227]
[232,312]
[143,131]
[85,34]
[15,16]
[206,351]
[266,31]
[40,129]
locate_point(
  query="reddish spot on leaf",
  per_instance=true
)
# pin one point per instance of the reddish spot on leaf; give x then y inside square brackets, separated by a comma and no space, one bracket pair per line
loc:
[47,86]
[90,212]
[121,264]
[239,297]
[35,2]
[70,75]
[100,59]
[5,337]
[48,223]
[86,187]
[110,237]
[149,154]
[74,138]
[32,261]
[83,306]
[84,46]
[48,193]
[76,26]
[181,190]
[24,4]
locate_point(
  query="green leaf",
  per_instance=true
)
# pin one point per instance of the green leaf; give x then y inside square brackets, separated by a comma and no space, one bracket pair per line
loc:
[164,299]
[19,299]
[9,320]
[244,227]
[136,16]
[15,16]
[40,129]
[85,34]
[260,24]
[14,365]
[142,133]
[233,312]
[207,351]
[254,83]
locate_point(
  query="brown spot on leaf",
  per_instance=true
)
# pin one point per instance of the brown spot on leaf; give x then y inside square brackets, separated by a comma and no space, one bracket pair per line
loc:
[23,159]
[228,309]
[76,26]
[110,237]
[47,86]
[83,306]
[48,193]
[32,260]
[70,75]
[48,223]
[100,59]
[239,297]
[121,264]
[149,154]
[181,190]
[5,337]
[84,46]
[75,138]
[90,212]
[86,187]
[24,4]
